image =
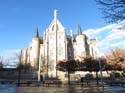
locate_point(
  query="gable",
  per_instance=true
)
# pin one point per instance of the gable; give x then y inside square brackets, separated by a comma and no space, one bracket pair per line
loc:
[55,25]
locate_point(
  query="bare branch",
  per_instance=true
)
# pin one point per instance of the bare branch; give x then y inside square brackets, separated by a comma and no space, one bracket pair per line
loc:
[113,10]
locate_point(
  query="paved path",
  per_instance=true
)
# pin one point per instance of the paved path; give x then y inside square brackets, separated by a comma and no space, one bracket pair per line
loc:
[60,89]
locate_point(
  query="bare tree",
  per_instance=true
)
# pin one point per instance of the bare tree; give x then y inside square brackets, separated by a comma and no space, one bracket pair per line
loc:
[113,10]
[20,66]
[1,62]
[18,56]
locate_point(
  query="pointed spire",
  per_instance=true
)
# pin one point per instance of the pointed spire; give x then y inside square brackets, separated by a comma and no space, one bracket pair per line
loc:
[36,33]
[79,30]
[55,14]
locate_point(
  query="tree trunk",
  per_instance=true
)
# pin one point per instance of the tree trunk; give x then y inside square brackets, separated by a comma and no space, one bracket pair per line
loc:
[19,76]
[97,78]
[68,77]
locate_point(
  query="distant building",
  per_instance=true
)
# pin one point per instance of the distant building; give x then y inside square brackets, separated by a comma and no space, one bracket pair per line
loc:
[56,45]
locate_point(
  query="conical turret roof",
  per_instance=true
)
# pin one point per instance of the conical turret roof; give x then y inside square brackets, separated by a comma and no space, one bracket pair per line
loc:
[79,30]
[36,33]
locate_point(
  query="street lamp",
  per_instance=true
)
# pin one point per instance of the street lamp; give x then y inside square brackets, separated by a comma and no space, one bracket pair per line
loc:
[100,67]
[39,69]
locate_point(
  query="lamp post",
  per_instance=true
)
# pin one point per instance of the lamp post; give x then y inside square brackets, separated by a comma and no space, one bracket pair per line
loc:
[55,18]
[100,67]
[39,69]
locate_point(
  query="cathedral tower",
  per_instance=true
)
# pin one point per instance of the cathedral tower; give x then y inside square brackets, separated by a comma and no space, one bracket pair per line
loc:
[56,44]
[80,45]
[34,50]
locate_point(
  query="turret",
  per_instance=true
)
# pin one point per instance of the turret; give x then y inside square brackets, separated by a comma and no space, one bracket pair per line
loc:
[79,30]
[37,33]
[81,43]
[93,48]
[34,52]
[23,59]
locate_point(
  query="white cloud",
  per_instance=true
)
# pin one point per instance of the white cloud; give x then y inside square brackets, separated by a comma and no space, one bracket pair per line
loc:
[90,32]
[10,55]
[116,34]
[108,37]
[118,44]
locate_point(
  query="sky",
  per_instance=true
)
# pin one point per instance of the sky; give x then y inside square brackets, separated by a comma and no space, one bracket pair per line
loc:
[20,18]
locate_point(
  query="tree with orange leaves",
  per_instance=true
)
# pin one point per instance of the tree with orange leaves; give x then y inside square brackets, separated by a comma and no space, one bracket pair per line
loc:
[115,60]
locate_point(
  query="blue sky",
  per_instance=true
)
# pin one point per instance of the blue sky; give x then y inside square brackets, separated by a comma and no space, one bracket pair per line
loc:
[19,19]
